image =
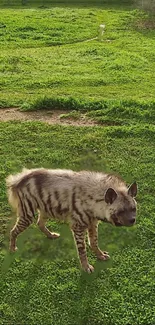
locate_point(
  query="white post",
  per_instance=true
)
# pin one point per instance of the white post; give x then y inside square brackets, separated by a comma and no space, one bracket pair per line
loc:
[101,32]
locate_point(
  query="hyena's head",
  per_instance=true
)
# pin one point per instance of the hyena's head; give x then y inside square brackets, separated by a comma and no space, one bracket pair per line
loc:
[121,206]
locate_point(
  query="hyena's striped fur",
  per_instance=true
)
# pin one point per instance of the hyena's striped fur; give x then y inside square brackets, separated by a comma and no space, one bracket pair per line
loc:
[81,198]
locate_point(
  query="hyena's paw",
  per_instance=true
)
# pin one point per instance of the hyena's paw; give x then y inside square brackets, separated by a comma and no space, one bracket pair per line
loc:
[13,249]
[53,235]
[89,268]
[103,256]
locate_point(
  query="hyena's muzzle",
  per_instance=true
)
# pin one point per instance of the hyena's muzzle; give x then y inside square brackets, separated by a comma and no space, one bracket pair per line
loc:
[124,218]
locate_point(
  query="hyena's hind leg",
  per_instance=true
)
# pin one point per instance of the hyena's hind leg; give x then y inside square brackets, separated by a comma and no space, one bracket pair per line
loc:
[25,218]
[41,224]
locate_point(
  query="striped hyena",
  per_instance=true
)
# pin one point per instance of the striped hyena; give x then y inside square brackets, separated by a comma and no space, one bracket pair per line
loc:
[81,198]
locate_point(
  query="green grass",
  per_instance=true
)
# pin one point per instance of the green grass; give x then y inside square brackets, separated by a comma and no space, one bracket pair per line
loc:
[46,52]
[42,283]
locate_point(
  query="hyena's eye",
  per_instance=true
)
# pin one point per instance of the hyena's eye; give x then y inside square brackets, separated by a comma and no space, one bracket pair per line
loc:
[133,209]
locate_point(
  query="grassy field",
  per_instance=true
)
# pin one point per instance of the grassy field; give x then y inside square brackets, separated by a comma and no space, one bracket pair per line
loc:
[51,52]
[47,60]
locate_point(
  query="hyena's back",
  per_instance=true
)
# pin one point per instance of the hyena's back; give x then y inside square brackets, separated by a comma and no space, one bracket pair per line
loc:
[40,189]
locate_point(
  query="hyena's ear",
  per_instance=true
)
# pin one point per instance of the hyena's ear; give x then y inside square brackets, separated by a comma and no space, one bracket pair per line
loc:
[110,196]
[132,190]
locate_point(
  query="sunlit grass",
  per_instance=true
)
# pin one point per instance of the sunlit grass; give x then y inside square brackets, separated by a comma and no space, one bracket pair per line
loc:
[49,52]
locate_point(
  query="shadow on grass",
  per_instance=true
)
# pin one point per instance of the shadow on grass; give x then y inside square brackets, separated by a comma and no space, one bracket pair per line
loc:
[48,271]
[55,264]
[44,4]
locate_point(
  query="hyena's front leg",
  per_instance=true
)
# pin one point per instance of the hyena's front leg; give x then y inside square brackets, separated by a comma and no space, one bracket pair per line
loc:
[93,239]
[79,235]
[41,224]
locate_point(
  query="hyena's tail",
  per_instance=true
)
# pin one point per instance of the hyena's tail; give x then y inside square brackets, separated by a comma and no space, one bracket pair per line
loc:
[12,182]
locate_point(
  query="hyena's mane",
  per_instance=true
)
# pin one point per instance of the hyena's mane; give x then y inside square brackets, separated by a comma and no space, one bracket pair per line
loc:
[115,181]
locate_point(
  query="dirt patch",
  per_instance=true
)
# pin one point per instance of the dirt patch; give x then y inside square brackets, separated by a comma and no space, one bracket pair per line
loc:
[50,117]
